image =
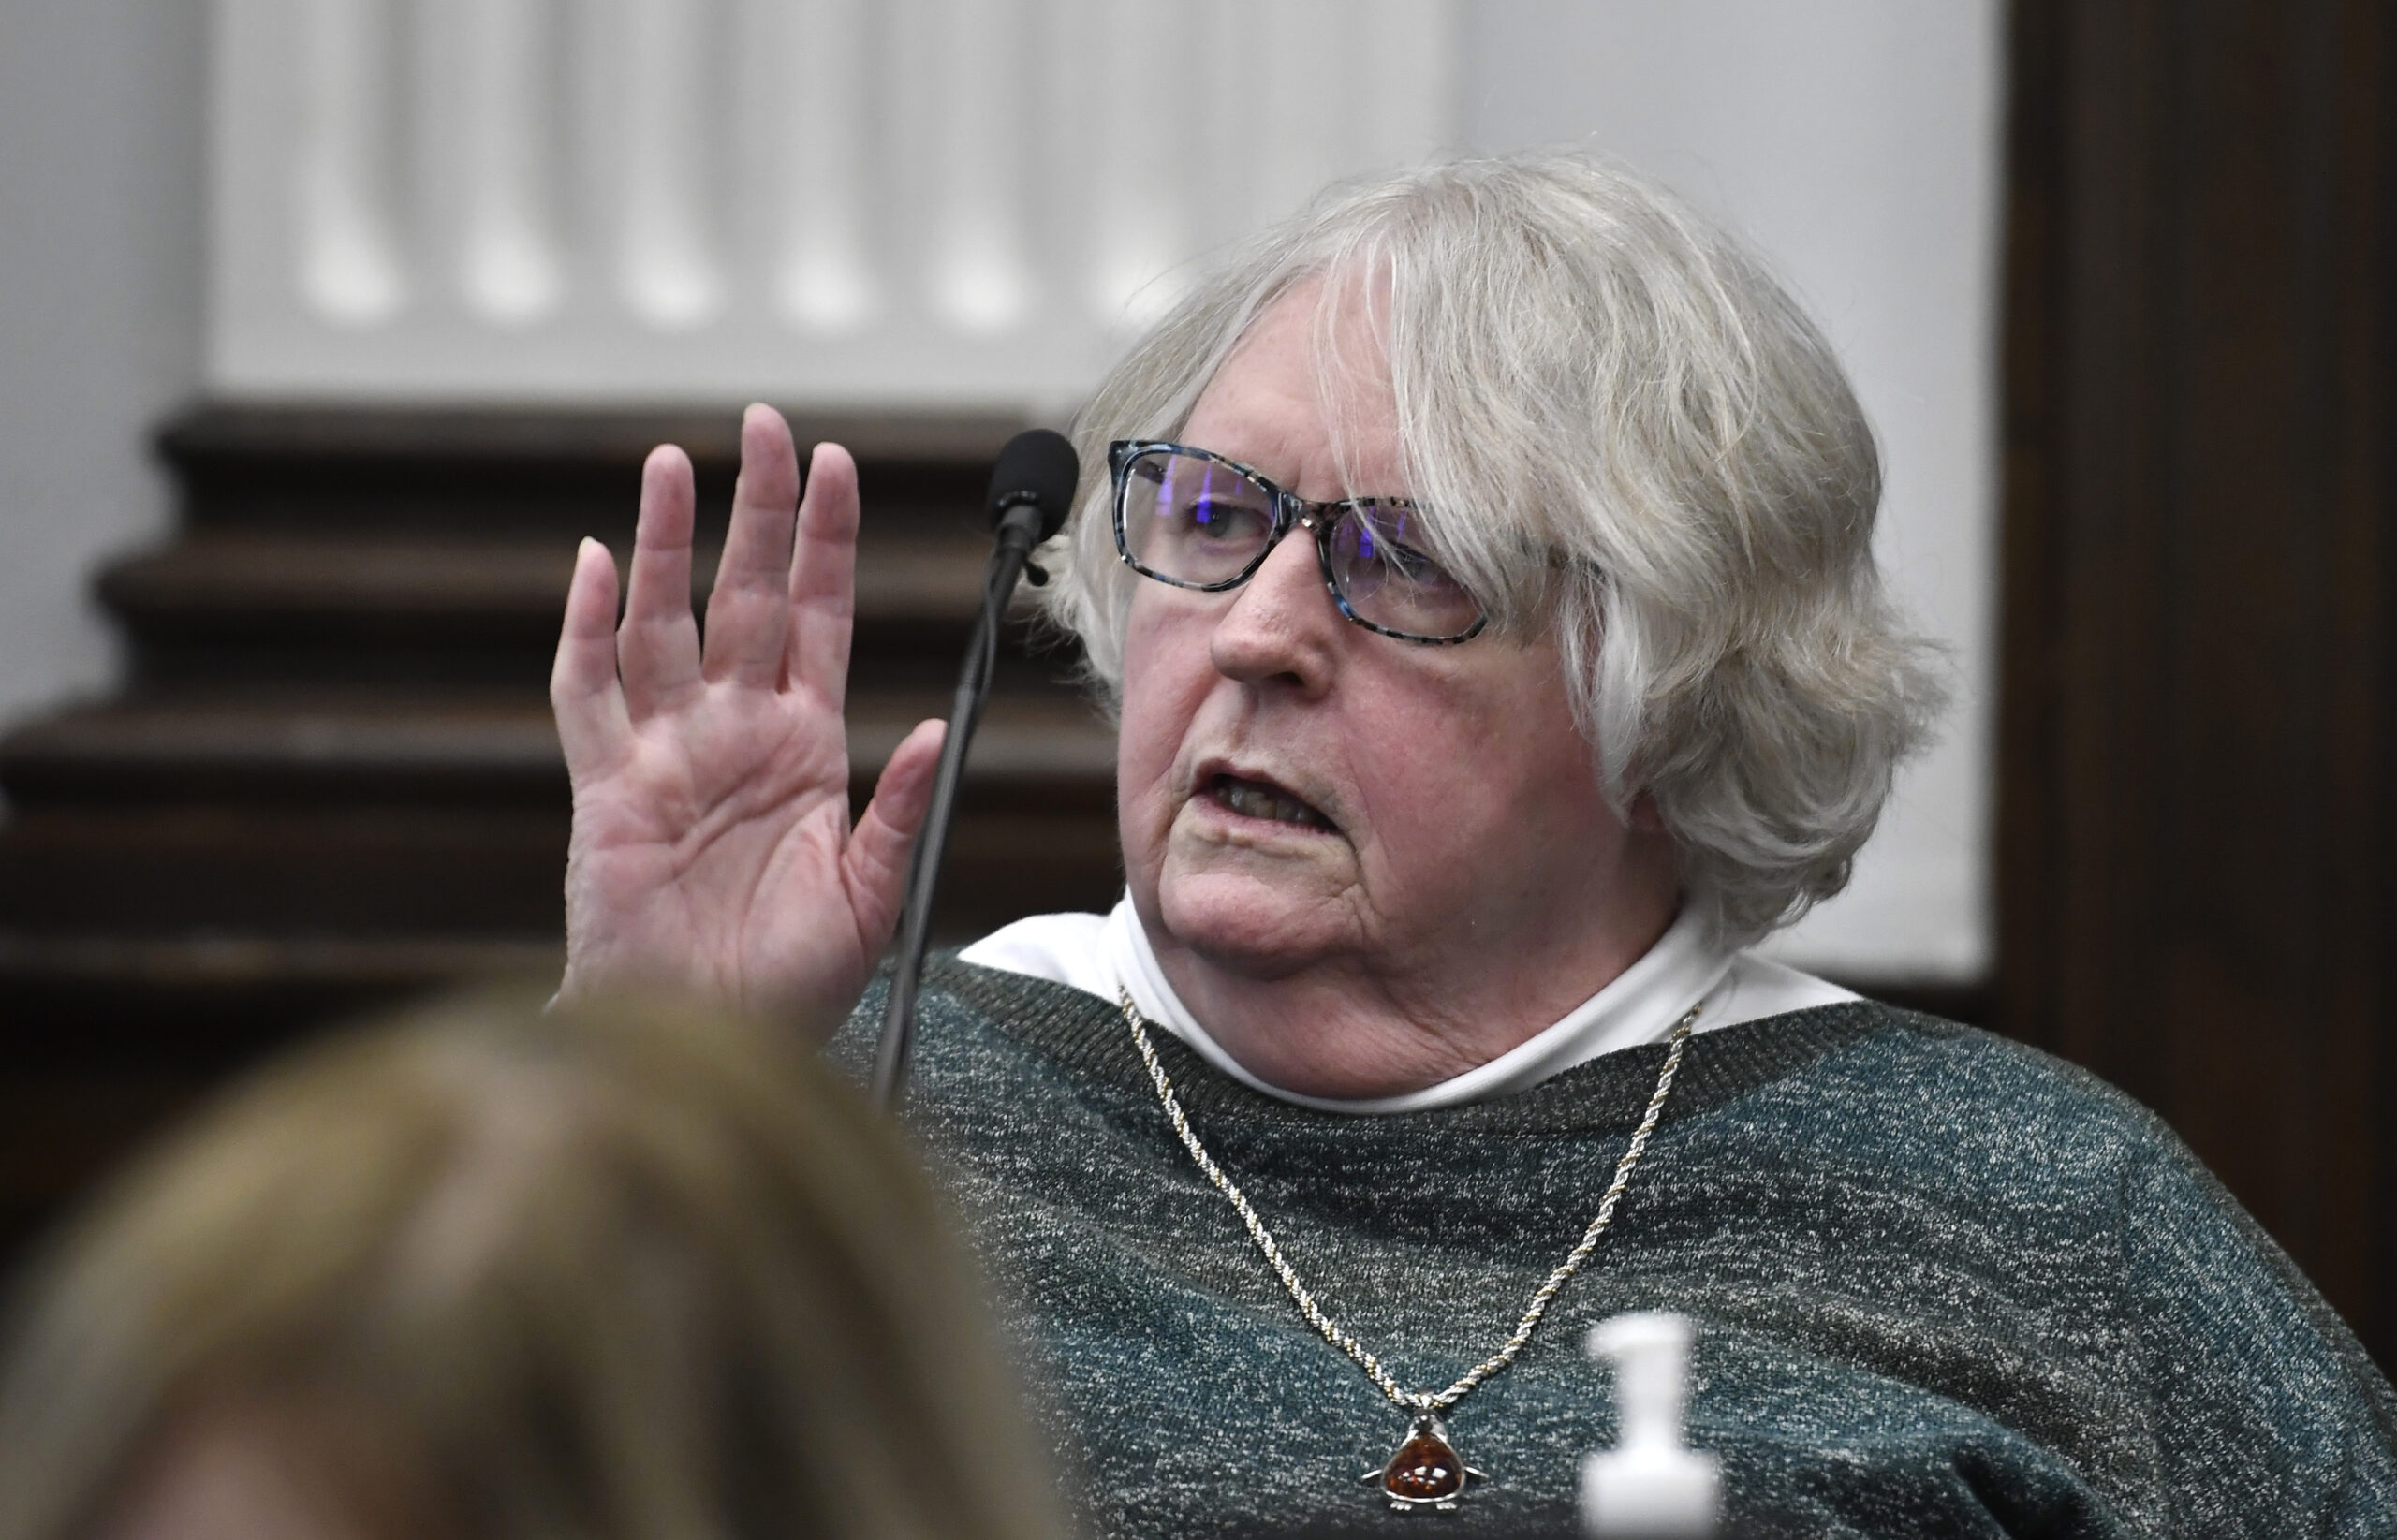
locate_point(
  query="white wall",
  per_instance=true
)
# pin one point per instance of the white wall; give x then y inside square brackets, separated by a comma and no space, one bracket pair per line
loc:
[101,113]
[1855,141]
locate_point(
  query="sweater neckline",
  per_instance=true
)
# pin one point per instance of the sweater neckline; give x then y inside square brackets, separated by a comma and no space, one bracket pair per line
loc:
[1085,1035]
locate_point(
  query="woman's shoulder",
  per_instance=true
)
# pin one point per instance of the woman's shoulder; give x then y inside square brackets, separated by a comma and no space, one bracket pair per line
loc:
[1912,1064]
[1906,1084]
[1911,1107]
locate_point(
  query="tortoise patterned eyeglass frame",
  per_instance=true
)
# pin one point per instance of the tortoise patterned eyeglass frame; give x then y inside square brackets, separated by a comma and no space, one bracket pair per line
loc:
[1289,511]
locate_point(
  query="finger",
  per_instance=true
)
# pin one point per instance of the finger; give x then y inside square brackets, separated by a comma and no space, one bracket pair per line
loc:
[659,653]
[873,868]
[823,578]
[748,618]
[592,722]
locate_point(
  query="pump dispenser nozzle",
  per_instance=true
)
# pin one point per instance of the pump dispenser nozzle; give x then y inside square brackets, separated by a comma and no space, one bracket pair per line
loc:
[1651,1486]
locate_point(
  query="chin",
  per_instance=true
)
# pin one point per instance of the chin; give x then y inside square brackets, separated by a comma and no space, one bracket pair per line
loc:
[1247,921]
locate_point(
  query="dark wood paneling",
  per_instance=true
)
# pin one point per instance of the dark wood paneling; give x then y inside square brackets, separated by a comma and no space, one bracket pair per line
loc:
[2195,847]
[333,781]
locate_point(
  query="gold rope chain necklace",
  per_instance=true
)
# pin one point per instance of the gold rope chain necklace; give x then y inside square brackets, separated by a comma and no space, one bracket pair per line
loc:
[1426,1472]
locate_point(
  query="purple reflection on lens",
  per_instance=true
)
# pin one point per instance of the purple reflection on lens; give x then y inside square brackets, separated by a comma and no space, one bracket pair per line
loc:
[1203,508]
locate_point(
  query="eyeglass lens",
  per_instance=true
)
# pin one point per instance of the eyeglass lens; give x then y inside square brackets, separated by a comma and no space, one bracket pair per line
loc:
[1190,519]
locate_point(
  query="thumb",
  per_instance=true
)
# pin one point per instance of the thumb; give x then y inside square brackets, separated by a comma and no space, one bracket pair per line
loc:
[873,868]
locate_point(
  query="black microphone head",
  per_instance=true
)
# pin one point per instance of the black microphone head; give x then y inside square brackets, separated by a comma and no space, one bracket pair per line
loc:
[1038,466]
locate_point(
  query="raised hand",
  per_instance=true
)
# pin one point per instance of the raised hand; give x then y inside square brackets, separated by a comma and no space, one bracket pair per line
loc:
[712,844]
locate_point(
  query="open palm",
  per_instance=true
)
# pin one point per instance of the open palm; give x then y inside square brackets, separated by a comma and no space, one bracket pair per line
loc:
[712,845]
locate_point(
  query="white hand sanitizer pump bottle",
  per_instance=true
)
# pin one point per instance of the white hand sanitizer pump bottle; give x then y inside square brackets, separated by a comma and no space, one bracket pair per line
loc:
[1651,1486]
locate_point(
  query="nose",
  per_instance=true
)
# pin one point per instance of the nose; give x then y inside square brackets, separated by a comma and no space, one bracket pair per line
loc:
[1281,623]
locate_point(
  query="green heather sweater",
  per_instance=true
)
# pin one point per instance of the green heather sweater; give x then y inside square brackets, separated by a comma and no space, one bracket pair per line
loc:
[1943,1284]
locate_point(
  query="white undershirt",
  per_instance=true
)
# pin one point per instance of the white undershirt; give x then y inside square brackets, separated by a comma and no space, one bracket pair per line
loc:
[1104,954]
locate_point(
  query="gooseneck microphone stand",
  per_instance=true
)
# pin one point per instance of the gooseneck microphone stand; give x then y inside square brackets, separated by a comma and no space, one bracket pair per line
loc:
[1031,489]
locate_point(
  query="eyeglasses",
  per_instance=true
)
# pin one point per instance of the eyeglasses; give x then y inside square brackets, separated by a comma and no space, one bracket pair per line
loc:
[1196,521]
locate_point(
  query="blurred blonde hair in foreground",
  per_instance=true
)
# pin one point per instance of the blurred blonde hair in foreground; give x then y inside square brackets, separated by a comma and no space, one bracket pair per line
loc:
[630,1270]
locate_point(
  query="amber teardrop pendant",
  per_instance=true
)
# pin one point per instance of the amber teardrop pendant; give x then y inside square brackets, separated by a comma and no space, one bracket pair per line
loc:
[1426,1473]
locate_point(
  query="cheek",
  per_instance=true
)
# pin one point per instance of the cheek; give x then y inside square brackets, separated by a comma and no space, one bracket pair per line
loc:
[1494,780]
[1166,677]
[1426,801]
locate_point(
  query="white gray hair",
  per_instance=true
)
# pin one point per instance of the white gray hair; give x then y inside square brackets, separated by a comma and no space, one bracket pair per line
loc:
[1593,369]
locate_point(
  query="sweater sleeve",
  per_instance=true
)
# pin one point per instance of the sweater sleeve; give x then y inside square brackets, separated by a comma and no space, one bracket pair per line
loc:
[2269,1418]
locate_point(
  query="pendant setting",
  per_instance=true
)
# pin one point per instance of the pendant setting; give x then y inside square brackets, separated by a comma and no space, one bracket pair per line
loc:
[1426,1474]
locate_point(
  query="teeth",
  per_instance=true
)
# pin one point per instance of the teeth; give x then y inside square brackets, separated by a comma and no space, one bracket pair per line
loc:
[1251,800]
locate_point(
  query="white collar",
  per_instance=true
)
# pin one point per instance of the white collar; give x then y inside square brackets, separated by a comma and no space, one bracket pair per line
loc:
[1103,955]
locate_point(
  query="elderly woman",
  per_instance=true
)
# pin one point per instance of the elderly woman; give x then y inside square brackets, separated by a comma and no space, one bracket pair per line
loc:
[1482,581]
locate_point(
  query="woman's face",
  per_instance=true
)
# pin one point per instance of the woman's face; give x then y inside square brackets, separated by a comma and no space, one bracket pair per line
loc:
[1298,793]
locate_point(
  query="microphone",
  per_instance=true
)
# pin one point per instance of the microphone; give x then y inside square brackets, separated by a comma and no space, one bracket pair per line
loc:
[1037,470]
[1031,492]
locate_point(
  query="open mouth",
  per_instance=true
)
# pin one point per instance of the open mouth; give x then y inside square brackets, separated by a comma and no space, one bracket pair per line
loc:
[1263,800]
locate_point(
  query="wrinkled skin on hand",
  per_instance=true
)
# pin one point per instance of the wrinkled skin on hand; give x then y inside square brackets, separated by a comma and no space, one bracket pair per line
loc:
[712,849]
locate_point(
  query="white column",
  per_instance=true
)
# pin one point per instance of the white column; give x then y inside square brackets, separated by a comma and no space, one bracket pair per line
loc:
[823,268]
[1350,87]
[664,263]
[349,264]
[1308,94]
[500,74]
[976,269]
[1154,90]
[937,203]
[1408,57]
